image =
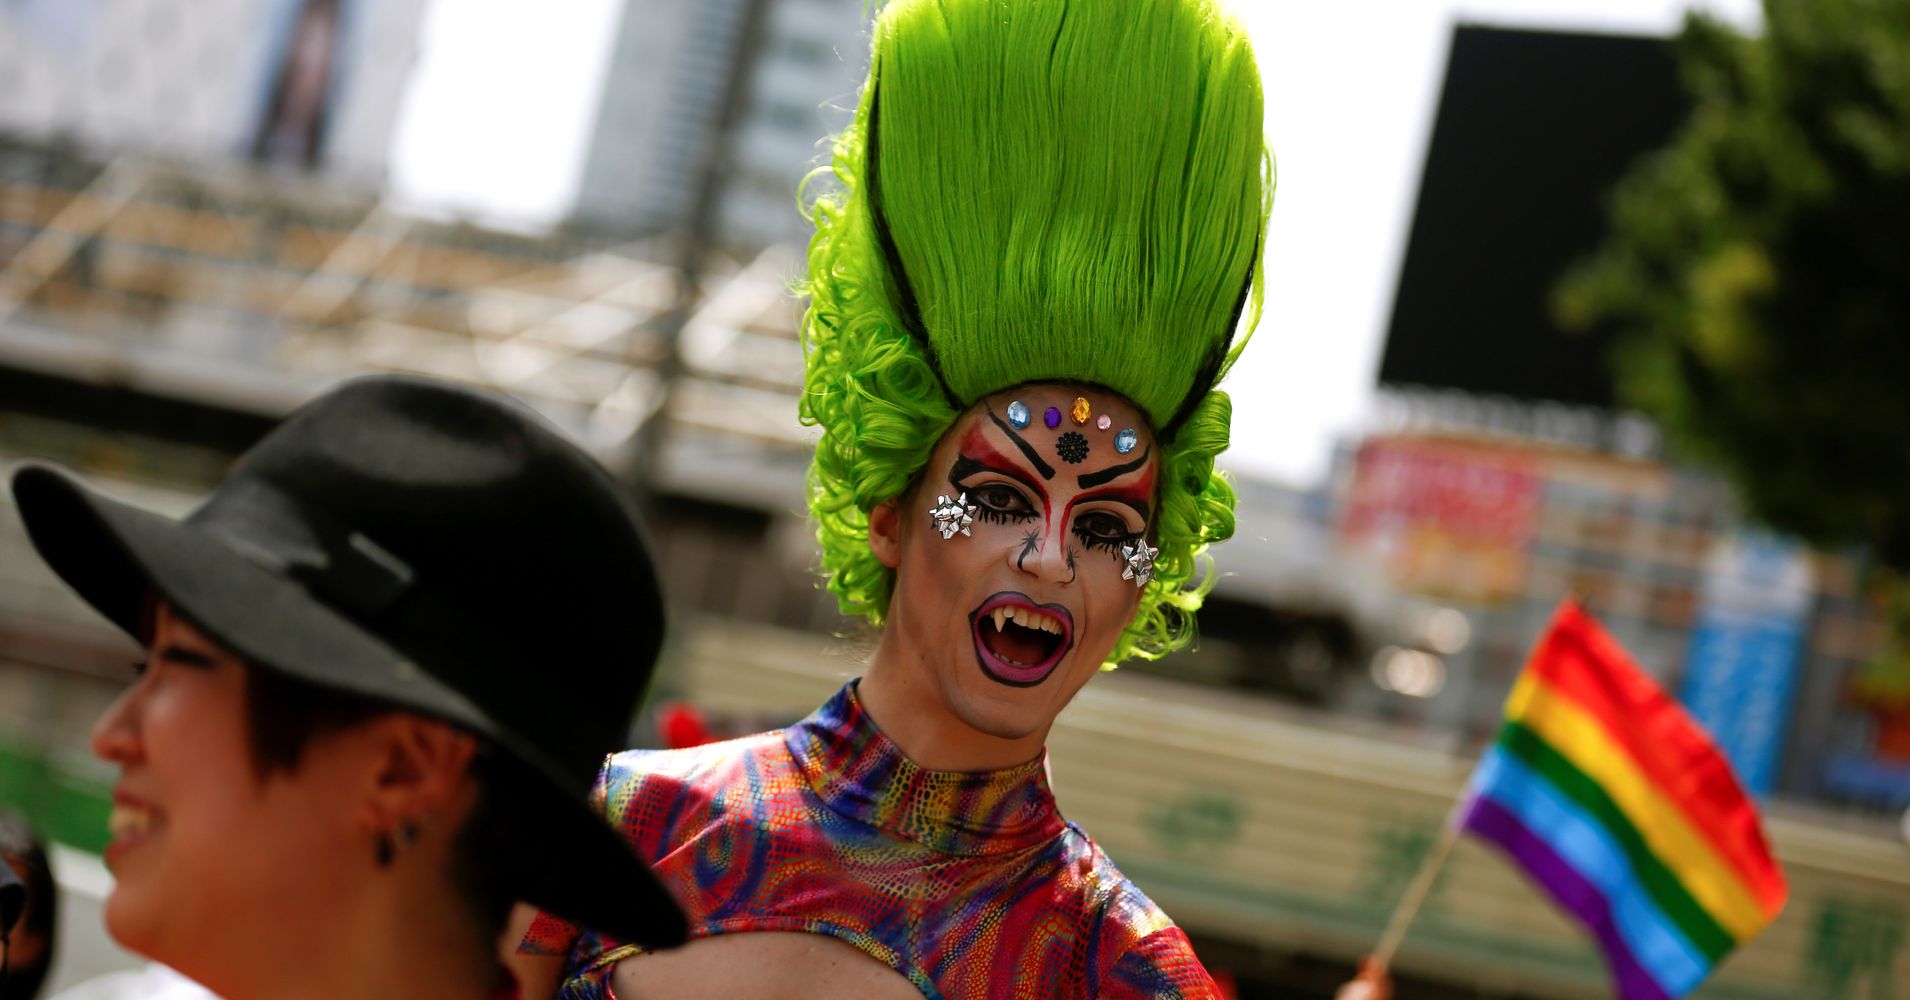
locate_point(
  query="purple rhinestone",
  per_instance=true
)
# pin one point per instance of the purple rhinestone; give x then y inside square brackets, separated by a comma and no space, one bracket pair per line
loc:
[1052,418]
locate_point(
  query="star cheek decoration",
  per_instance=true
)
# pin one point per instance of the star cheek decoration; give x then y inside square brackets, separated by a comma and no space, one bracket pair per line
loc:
[1140,562]
[949,516]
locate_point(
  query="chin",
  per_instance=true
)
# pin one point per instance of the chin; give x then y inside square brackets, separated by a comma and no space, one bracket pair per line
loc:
[128,922]
[1003,723]
[1011,713]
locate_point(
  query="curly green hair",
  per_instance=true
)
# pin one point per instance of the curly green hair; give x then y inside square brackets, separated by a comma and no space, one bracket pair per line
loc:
[1037,191]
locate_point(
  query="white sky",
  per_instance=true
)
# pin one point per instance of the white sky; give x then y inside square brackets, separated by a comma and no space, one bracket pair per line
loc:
[499,113]
[500,107]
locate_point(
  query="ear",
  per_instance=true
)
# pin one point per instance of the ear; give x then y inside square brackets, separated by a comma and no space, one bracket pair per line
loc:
[419,768]
[885,532]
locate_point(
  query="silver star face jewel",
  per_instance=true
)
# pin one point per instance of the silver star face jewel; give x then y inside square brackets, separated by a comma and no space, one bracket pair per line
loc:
[1140,563]
[950,516]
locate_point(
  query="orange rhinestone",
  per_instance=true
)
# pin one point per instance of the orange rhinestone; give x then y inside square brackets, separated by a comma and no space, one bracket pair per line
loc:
[1081,410]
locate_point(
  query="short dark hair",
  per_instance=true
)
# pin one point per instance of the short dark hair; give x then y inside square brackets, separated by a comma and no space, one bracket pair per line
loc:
[285,714]
[21,848]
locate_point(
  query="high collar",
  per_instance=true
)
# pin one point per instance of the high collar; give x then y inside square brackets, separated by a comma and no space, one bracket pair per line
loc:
[861,774]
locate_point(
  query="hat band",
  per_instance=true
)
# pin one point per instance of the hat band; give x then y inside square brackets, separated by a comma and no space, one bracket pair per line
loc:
[339,565]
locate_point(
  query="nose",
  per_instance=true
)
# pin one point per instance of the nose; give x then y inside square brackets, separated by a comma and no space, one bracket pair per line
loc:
[115,736]
[1043,554]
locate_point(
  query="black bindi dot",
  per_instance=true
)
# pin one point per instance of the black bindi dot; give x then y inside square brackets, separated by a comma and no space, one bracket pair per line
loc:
[1072,447]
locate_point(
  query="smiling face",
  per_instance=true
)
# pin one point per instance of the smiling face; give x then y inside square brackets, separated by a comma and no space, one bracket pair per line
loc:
[199,836]
[1004,623]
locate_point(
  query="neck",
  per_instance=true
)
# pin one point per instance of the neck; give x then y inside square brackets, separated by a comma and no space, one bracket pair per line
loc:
[925,723]
[399,937]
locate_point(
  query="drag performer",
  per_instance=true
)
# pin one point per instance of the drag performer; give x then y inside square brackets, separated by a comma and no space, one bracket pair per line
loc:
[413,616]
[1023,290]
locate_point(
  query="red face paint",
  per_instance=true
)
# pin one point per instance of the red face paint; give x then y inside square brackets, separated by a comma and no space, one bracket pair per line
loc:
[978,449]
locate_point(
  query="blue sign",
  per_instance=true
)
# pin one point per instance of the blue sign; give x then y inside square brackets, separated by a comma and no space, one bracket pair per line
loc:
[1742,669]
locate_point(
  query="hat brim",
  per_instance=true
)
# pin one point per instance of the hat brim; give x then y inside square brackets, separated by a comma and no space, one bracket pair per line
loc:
[113,554]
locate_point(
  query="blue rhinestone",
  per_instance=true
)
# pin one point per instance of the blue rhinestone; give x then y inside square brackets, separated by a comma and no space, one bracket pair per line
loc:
[1018,414]
[1125,441]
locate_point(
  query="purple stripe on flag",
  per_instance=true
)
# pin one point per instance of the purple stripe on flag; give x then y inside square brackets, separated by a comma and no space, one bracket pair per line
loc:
[1491,821]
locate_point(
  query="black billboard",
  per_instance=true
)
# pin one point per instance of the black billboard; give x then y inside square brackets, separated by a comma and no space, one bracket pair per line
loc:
[1534,128]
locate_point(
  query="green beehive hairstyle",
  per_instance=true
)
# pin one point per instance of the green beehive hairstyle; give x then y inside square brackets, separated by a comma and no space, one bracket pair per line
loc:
[1037,191]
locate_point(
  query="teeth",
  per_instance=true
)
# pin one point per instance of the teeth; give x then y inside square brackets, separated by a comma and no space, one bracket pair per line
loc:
[1026,618]
[129,821]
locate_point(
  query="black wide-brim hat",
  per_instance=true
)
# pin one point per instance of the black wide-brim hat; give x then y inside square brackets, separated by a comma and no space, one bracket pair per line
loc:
[431,547]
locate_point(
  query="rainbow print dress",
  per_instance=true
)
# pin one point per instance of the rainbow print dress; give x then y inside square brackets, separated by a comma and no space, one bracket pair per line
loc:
[971,885]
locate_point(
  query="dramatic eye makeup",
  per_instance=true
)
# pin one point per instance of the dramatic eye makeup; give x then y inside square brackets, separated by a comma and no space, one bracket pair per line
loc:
[993,500]
[1106,529]
[1002,490]
[1103,529]
[998,502]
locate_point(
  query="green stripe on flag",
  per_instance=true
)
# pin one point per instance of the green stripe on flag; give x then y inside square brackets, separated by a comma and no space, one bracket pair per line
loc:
[1659,882]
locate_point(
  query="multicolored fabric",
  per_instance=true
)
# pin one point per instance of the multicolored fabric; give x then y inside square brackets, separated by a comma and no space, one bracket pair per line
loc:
[970,885]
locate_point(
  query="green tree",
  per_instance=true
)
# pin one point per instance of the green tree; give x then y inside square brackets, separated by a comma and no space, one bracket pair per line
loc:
[1757,273]
[1758,270]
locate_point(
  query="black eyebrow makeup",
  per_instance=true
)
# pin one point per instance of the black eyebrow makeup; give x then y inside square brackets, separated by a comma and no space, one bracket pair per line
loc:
[1088,480]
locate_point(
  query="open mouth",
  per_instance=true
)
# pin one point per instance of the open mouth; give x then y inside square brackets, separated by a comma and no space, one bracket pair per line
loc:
[1018,641]
[130,825]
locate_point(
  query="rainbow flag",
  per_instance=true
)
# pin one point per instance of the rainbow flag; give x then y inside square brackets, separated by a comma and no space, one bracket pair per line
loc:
[1612,799]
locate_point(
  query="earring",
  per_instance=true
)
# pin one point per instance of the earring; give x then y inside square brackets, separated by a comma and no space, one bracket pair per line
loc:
[949,516]
[1140,562]
[389,841]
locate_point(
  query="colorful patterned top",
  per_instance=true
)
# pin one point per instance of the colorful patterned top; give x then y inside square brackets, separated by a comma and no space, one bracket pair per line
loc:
[970,885]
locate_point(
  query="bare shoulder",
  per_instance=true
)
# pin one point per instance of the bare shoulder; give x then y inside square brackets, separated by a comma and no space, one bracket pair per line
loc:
[762,965]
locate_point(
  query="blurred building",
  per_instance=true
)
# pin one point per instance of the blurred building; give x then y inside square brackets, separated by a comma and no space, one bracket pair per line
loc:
[796,64]
[305,83]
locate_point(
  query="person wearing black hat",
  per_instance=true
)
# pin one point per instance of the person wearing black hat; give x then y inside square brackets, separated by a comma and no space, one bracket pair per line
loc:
[385,660]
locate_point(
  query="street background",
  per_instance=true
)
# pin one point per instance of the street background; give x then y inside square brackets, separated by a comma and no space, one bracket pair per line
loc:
[211,211]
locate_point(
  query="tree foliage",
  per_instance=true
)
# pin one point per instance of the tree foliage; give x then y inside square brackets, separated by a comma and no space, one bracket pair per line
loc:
[1757,270]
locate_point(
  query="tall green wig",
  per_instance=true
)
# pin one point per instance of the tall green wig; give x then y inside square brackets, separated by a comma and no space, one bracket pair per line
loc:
[1037,191]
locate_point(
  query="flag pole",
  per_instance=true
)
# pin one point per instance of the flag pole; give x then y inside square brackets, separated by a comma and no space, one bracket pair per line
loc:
[1416,893]
[1435,860]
